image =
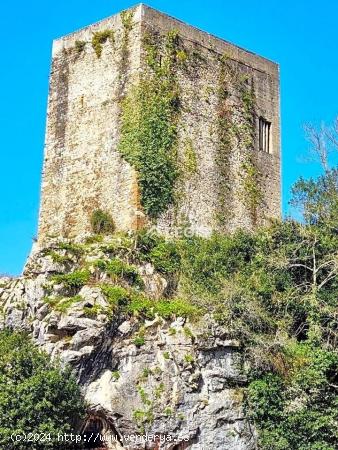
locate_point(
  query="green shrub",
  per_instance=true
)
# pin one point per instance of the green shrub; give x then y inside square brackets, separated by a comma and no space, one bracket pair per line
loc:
[188,332]
[127,19]
[117,268]
[94,239]
[56,257]
[141,305]
[139,341]
[116,295]
[72,281]
[102,222]
[71,247]
[99,38]
[177,307]
[299,410]
[165,257]
[62,304]
[166,308]
[36,396]
[168,411]
[93,311]
[206,262]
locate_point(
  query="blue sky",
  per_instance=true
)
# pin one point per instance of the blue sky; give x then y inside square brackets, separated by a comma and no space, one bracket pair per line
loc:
[300,35]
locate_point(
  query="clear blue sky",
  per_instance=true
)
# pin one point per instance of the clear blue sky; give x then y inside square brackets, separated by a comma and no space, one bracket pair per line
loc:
[300,35]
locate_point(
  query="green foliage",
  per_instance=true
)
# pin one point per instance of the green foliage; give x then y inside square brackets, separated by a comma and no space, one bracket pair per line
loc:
[188,358]
[168,411]
[127,19]
[62,304]
[165,257]
[75,249]
[117,268]
[116,295]
[99,38]
[35,395]
[145,374]
[166,308]
[149,130]
[102,222]
[206,262]
[79,46]
[143,418]
[236,129]
[72,281]
[252,192]
[190,165]
[163,254]
[299,410]
[116,375]
[94,239]
[166,355]
[176,308]
[139,341]
[93,311]
[56,257]
[318,199]
[181,56]
[188,332]
[159,390]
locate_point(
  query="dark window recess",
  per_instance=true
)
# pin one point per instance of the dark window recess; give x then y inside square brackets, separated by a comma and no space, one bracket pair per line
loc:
[264,135]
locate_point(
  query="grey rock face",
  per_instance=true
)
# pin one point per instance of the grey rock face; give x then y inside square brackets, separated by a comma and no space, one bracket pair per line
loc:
[185,381]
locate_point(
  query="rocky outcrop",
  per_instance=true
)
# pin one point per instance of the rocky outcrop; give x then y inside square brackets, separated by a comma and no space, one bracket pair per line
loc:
[179,379]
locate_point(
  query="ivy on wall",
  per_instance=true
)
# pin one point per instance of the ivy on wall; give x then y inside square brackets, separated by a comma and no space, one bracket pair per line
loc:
[149,116]
[236,127]
[225,136]
[99,38]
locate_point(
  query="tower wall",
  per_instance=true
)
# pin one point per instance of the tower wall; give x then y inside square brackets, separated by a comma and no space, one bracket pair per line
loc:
[223,92]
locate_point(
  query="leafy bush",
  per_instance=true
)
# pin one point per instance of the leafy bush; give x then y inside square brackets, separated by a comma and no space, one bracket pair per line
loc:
[35,395]
[72,281]
[116,295]
[164,255]
[166,308]
[299,411]
[117,268]
[102,222]
[318,199]
[207,262]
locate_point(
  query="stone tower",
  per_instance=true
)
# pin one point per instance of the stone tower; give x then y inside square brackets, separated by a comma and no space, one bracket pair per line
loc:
[159,124]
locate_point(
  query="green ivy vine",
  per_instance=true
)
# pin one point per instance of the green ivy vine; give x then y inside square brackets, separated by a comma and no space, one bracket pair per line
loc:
[99,38]
[236,124]
[149,115]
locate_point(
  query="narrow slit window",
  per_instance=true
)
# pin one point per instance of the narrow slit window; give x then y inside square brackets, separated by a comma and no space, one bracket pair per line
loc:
[264,135]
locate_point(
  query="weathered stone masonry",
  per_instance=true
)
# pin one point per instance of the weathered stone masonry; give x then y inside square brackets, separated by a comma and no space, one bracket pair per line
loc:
[224,181]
